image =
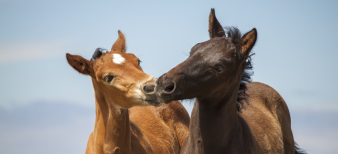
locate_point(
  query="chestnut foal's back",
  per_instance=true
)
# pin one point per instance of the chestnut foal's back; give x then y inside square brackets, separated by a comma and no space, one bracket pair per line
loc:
[120,84]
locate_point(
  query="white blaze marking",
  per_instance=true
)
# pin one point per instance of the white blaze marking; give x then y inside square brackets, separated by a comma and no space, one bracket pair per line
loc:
[118,59]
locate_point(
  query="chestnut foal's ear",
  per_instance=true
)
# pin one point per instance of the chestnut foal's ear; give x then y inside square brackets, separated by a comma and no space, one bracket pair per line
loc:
[120,44]
[248,41]
[215,28]
[80,64]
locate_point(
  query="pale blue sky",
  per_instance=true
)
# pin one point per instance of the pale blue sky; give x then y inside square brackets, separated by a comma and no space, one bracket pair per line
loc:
[295,52]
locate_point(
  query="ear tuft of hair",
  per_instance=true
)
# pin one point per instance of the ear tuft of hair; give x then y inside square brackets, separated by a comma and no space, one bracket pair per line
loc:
[97,54]
[248,41]
[80,64]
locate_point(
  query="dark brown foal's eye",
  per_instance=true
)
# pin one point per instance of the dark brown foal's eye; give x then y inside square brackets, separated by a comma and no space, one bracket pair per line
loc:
[219,68]
[108,78]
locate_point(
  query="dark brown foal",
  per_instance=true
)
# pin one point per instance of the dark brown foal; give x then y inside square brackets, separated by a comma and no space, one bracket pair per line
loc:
[229,114]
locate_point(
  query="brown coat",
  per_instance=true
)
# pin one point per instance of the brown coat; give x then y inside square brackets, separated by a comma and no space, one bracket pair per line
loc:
[125,122]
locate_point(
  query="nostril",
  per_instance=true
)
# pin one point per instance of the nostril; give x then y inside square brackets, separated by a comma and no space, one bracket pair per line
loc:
[148,88]
[169,87]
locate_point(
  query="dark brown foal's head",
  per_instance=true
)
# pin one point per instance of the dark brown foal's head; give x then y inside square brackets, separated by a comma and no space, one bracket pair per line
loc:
[214,68]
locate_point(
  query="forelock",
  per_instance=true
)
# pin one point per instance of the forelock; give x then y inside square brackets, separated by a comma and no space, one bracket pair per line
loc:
[97,54]
[235,35]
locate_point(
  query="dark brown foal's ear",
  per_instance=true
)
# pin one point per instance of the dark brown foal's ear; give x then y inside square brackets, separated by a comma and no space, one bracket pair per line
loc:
[80,64]
[248,41]
[120,43]
[215,28]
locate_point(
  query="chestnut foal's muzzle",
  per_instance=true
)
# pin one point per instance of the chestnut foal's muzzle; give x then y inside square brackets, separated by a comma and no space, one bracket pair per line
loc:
[150,93]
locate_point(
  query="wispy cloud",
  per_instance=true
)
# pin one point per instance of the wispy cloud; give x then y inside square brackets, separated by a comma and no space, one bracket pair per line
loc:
[46,128]
[17,51]
[316,130]
[64,128]
[13,0]
[315,108]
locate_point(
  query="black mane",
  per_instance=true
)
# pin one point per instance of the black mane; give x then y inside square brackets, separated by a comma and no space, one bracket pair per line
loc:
[246,78]
[235,35]
[97,54]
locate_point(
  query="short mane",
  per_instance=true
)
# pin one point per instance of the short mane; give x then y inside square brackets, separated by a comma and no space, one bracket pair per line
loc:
[235,35]
[97,54]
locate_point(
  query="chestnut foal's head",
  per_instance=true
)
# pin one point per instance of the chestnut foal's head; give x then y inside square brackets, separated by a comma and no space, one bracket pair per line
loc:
[214,67]
[117,76]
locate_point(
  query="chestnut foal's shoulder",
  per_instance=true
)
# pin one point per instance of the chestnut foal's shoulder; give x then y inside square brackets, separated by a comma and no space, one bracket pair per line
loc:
[175,111]
[172,111]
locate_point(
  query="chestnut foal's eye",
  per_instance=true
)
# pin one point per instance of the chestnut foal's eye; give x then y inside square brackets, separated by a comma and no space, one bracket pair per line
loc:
[108,78]
[219,68]
[139,62]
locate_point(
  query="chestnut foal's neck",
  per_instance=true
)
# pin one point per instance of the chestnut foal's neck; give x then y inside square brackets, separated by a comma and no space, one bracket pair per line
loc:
[112,125]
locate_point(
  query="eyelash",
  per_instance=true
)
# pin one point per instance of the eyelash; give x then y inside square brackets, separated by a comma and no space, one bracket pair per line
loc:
[108,78]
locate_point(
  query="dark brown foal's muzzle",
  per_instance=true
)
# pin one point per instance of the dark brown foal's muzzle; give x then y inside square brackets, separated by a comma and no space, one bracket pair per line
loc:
[165,88]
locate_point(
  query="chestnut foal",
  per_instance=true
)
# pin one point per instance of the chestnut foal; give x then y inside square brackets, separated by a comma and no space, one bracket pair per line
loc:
[120,84]
[221,120]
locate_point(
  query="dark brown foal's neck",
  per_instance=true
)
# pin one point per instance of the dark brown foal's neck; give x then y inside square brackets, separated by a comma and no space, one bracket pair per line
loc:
[112,125]
[215,127]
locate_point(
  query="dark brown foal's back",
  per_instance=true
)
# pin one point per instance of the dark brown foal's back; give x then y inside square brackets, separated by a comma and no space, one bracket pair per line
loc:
[266,111]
